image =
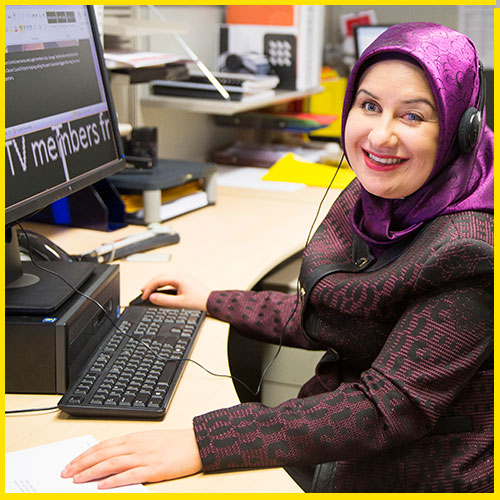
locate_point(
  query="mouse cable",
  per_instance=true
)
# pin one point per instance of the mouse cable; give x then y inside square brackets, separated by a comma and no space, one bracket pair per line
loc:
[113,322]
[26,410]
[280,344]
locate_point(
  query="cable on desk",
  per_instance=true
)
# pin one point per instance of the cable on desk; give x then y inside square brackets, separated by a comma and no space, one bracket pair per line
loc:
[26,410]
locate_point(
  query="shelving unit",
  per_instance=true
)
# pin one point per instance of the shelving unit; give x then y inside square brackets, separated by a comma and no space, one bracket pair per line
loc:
[219,107]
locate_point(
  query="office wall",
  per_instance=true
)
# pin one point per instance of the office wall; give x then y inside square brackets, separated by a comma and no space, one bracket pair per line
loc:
[201,34]
[193,135]
[391,14]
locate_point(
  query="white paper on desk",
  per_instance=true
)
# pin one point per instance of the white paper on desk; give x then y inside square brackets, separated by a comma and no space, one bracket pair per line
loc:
[251,178]
[38,469]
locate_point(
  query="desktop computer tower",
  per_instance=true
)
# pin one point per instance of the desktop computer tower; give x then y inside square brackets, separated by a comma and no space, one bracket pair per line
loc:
[44,354]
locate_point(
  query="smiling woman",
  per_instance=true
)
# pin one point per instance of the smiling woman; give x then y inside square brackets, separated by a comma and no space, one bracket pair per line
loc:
[396,288]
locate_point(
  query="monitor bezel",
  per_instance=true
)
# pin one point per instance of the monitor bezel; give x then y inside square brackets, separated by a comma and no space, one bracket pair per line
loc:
[25,208]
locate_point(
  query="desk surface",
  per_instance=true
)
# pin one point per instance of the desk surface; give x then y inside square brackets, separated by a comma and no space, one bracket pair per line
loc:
[232,244]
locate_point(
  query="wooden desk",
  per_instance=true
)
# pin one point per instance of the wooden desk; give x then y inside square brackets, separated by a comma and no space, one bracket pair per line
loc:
[230,245]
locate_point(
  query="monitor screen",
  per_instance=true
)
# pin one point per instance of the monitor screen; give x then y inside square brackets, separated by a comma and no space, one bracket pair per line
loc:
[365,35]
[60,128]
[61,133]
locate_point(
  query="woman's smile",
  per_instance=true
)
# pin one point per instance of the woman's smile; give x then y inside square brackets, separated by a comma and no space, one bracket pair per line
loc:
[382,163]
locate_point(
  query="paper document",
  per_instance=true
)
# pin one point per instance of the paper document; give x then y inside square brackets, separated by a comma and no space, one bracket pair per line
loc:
[38,469]
[251,178]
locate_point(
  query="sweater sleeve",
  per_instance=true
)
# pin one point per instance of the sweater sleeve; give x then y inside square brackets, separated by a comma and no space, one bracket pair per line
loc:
[439,343]
[266,316]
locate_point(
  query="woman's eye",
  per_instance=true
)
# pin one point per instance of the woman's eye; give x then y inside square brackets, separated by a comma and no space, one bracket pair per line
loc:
[369,106]
[413,117]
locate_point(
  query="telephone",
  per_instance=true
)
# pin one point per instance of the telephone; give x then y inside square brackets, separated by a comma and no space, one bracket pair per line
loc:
[41,248]
[251,62]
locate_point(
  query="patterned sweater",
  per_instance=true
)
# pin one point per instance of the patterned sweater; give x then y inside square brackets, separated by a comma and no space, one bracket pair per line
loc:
[403,399]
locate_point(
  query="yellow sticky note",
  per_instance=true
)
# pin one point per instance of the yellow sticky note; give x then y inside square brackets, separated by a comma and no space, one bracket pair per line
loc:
[293,168]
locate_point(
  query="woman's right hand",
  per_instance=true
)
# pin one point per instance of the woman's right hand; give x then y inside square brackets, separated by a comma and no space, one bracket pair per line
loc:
[191,293]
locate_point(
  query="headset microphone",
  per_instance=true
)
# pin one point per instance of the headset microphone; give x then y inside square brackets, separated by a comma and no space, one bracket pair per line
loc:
[472,119]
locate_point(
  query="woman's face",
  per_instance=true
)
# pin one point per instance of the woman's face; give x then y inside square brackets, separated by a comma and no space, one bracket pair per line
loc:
[392,130]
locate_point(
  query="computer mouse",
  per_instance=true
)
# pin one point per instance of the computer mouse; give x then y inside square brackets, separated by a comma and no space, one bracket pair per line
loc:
[139,302]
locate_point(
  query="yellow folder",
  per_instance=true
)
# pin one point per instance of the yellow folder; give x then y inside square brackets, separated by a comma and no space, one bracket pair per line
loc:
[293,168]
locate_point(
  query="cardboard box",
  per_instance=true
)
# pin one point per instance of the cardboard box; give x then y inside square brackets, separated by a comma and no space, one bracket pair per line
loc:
[291,36]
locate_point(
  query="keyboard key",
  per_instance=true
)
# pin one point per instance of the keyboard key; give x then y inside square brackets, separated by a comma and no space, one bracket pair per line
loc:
[155,402]
[75,400]
[127,400]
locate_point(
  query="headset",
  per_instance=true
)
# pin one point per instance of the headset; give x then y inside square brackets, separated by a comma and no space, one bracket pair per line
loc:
[472,119]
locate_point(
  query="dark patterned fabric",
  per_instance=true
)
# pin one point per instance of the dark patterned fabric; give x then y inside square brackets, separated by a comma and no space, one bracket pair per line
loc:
[415,340]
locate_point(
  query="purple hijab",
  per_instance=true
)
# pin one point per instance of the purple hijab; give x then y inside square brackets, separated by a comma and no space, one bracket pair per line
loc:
[459,181]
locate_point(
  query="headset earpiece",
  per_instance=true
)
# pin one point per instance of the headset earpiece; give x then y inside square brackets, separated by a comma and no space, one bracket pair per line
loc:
[471,121]
[468,130]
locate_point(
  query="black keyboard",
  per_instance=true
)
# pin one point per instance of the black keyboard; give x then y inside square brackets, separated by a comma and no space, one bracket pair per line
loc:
[134,375]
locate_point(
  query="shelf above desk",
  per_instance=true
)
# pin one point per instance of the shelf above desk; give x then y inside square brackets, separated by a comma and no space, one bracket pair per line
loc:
[212,106]
[125,27]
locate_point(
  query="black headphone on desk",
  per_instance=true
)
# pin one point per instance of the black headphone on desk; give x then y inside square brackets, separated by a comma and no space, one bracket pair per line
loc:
[472,119]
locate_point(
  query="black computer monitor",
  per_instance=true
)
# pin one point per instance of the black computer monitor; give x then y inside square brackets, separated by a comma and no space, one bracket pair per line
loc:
[61,132]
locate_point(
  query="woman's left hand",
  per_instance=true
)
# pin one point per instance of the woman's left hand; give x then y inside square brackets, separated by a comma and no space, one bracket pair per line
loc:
[137,458]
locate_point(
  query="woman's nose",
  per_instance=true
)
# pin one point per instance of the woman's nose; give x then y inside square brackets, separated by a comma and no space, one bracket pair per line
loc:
[383,133]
